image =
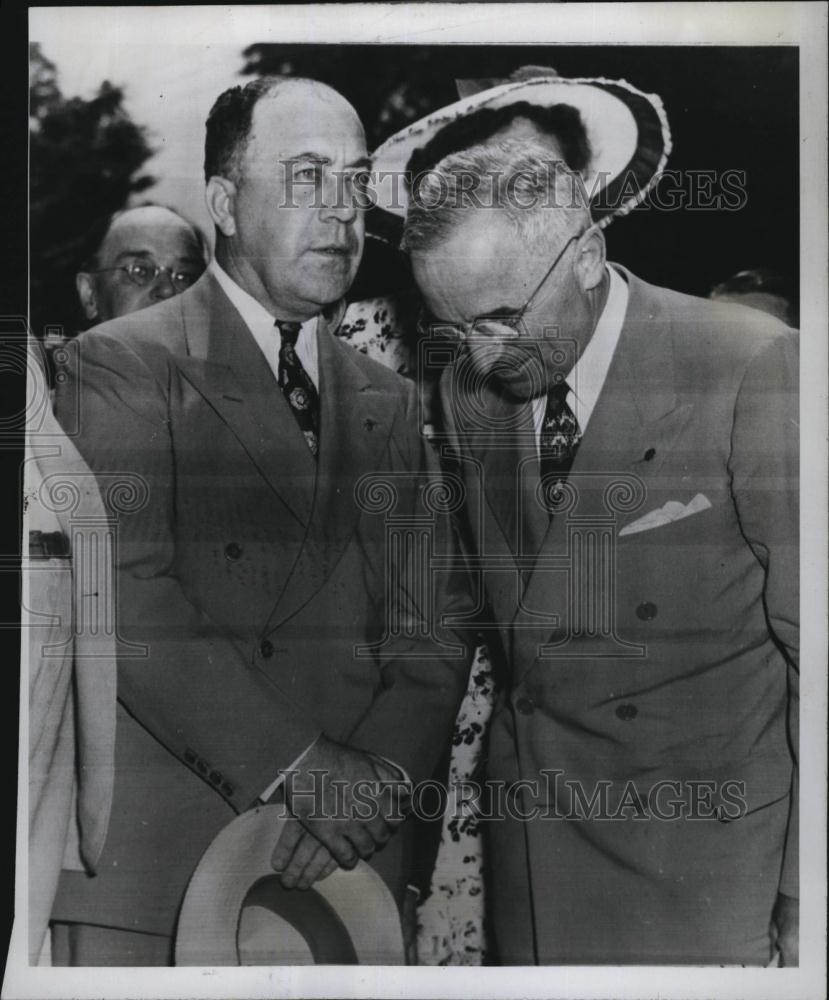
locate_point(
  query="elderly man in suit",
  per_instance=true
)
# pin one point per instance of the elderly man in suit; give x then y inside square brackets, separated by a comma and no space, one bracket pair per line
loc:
[278,633]
[630,457]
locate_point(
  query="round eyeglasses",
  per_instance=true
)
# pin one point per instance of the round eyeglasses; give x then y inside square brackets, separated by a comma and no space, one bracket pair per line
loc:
[506,326]
[144,273]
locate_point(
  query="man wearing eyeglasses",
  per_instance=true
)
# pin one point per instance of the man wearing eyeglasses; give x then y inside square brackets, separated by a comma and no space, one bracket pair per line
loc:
[630,457]
[148,254]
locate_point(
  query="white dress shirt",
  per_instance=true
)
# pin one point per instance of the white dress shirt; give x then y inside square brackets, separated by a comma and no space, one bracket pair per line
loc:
[587,376]
[261,325]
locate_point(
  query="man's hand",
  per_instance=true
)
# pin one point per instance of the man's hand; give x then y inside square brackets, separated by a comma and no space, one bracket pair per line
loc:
[785,929]
[348,804]
[300,857]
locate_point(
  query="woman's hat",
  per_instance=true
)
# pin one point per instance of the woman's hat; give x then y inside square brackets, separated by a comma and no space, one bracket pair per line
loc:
[627,131]
[236,912]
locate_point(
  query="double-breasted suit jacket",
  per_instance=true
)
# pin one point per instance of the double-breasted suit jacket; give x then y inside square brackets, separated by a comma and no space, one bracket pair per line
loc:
[247,581]
[653,661]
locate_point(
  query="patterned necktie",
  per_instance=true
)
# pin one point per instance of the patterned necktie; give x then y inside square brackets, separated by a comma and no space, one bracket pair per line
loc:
[296,385]
[560,437]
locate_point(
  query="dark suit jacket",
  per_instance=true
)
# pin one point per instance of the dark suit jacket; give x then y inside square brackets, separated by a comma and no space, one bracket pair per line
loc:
[250,576]
[673,656]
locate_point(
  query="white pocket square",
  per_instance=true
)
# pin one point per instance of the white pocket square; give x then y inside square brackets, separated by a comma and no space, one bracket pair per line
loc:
[672,511]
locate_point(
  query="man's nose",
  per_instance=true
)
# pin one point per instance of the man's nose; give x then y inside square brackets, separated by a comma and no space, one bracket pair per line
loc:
[338,199]
[163,287]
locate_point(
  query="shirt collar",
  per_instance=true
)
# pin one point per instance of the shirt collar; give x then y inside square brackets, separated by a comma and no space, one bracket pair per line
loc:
[252,312]
[262,325]
[588,374]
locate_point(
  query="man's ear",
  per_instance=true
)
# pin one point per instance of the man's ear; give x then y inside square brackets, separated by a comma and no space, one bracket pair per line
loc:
[85,285]
[220,197]
[590,259]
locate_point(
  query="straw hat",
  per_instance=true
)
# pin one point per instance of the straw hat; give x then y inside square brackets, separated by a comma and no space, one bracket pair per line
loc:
[235,911]
[627,130]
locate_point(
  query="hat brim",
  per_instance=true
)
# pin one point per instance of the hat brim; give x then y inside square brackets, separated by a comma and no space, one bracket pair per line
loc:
[236,912]
[627,130]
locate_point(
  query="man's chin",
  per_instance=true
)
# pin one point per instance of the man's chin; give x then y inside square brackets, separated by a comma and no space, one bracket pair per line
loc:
[519,390]
[328,293]
[520,382]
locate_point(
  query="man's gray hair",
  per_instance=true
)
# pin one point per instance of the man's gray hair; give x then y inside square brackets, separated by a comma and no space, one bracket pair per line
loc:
[540,197]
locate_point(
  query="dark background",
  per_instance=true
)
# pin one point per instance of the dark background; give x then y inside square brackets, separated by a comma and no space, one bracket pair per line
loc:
[729,108]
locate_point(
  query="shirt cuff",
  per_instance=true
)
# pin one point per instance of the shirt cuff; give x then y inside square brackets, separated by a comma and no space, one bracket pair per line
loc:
[400,772]
[278,782]
[274,785]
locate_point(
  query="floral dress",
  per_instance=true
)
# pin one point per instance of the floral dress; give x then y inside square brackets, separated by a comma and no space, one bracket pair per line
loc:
[451,929]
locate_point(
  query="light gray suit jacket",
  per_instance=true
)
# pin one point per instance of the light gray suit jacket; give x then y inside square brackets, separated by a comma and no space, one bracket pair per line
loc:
[664,655]
[252,575]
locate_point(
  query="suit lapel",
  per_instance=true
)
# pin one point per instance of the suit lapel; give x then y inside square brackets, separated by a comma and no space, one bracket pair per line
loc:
[226,366]
[637,418]
[356,423]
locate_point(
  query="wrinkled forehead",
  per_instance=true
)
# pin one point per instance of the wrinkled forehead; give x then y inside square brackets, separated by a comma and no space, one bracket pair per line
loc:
[301,119]
[482,241]
[485,265]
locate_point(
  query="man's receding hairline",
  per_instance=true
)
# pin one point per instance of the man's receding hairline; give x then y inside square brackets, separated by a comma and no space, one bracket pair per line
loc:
[327,94]
[136,209]
[323,90]
[117,221]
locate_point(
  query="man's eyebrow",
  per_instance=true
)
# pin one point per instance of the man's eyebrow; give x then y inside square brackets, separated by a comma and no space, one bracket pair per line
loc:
[189,255]
[134,253]
[305,157]
[362,164]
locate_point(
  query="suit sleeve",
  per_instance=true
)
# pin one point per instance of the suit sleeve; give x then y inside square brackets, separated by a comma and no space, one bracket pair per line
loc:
[172,689]
[765,473]
[425,673]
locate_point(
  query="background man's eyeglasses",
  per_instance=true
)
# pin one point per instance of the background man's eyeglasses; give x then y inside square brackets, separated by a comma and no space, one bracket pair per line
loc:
[144,273]
[507,327]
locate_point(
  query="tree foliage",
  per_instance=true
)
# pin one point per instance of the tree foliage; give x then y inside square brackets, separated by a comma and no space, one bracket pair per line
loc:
[85,158]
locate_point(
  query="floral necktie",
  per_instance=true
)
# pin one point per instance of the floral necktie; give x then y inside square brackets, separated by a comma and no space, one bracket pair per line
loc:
[560,437]
[297,387]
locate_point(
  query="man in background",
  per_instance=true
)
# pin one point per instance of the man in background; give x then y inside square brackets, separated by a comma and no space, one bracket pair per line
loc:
[759,288]
[147,255]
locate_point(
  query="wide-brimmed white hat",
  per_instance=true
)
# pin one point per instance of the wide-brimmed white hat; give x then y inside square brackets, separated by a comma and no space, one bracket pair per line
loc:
[235,911]
[627,130]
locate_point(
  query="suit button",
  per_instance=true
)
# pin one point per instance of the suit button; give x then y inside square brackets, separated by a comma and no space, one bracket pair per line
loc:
[266,648]
[646,611]
[627,712]
[524,706]
[215,777]
[233,550]
[227,789]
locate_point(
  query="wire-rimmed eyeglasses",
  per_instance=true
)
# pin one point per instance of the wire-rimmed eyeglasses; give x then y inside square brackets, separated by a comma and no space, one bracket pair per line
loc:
[145,272]
[505,326]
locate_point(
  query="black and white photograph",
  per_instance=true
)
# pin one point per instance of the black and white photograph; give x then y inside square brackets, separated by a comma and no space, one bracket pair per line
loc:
[421,493]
